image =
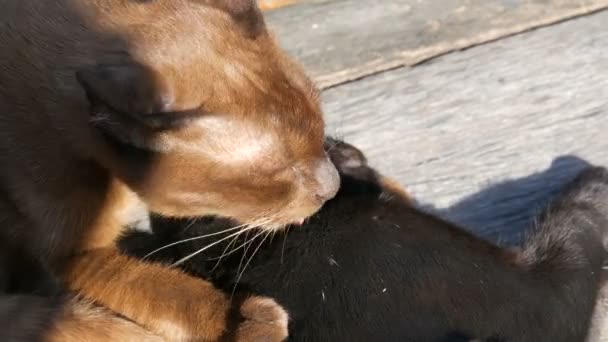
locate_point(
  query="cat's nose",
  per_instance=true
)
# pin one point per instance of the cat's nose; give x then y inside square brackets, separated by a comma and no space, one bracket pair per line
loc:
[328,181]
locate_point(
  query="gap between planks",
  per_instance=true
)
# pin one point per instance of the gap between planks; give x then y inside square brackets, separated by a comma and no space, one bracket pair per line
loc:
[415,57]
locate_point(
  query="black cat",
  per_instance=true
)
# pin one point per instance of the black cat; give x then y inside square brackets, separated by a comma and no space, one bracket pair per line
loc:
[370,267]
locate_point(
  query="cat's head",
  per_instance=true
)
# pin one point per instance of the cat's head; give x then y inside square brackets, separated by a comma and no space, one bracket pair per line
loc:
[209,116]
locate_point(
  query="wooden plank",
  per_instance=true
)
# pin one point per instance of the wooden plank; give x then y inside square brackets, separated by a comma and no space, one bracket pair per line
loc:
[521,113]
[342,40]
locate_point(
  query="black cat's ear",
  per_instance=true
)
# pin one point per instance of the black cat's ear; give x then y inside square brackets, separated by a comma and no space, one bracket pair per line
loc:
[246,13]
[345,157]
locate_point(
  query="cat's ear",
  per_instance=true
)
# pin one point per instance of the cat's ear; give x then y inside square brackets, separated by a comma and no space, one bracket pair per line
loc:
[131,102]
[131,90]
[344,156]
[246,13]
[128,88]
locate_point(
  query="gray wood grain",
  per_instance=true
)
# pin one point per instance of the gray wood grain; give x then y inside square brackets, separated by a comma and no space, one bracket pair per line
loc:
[487,134]
[342,40]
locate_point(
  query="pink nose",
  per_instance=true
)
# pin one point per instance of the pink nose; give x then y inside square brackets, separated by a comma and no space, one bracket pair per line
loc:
[328,181]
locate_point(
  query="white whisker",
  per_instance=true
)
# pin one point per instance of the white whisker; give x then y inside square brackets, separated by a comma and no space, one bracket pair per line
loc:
[224,254]
[190,224]
[191,239]
[186,258]
[256,223]
[234,250]
[234,239]
[249,243]
[284,240]
[249,261]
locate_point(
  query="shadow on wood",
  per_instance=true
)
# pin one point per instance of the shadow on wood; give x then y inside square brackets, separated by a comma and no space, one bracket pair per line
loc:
[503,211]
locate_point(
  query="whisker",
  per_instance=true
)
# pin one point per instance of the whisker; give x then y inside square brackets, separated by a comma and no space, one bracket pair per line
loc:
[224,254]
[234,250]
[256,223]
[234,239]
[273,234]
[284,240]
[249,243]
[191,239]
[249,261]
[186,258]
[191,222]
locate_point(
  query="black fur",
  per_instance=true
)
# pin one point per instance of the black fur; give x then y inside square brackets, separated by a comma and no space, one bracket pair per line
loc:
[370,267]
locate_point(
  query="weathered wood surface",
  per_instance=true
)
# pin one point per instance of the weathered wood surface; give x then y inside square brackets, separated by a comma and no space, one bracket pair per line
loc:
[342,40]
[503,111]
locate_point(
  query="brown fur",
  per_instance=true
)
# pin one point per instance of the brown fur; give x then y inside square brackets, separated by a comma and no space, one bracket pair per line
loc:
[83,321]
[187,107]
[102,273]
[124,285]
[261,313]
[396,189]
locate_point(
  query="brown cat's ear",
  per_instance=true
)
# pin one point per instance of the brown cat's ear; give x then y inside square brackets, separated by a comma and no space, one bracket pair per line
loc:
[246,13]
[131,103]
[131,89]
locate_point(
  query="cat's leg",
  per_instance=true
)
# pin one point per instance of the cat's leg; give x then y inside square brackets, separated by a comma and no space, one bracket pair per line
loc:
[168,302]
[163,300]
[57,318]
[35,308]
[81,320]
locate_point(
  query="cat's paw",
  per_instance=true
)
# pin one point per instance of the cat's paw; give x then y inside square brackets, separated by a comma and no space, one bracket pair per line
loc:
[264,321]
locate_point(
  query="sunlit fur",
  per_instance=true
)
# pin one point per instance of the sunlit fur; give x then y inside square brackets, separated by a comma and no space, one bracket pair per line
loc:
[183,107]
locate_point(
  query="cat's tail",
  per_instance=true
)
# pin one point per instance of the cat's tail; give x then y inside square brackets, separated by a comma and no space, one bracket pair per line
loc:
[565,253]
[572,231]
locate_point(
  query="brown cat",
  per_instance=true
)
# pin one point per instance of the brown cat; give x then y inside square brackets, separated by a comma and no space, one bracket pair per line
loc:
[184,107]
